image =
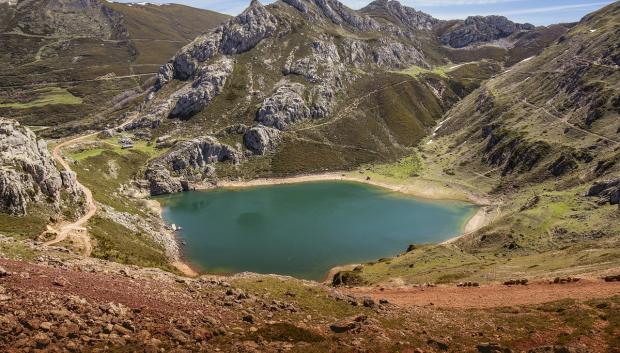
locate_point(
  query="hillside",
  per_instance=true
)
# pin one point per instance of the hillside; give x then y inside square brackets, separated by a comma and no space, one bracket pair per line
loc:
[522,121]
[541,140]
[63,61]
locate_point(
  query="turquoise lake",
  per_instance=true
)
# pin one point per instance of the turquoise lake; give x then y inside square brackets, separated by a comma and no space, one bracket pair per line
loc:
[305,229]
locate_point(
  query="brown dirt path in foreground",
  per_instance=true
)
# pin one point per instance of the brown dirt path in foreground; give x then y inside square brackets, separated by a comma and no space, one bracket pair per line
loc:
[491,296]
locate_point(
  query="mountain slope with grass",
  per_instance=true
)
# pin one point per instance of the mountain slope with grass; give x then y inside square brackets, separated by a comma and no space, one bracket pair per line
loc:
[69,65]
[333,89]
[523,121]
[541,140]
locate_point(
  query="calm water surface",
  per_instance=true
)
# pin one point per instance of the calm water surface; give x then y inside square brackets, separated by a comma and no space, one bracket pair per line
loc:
[305,229]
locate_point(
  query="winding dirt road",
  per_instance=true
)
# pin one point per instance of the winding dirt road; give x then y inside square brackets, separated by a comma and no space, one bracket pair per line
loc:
[77,228]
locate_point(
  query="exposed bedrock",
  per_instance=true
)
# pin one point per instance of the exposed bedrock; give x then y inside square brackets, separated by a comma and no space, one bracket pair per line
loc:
[608,191]
[285,107]
[262,139]
[27,171]
[239,35]
[477,29]
[192,98]
[187,160]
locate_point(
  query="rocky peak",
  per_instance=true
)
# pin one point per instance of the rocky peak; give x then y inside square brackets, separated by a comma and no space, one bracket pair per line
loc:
[248,29]
[476,29]
[238,35]
[399,14]
[335,12]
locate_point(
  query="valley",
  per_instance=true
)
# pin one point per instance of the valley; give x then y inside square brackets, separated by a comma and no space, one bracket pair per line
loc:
[458,181]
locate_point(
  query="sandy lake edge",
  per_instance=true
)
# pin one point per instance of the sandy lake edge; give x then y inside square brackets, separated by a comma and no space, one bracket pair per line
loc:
[421,188]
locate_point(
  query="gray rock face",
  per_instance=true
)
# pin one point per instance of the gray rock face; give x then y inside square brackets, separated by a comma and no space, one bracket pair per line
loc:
[342,15]
[187,159]
[608,191]
[477,29]
[161,181]
[197,153]
[393,54]
[298,4]
[407,16]
[27,171]
[286,106]
[193,98]
[239,35]
[262,139]
[245,31]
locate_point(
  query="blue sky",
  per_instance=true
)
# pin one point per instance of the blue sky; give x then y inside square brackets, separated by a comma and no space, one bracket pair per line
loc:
[538,12]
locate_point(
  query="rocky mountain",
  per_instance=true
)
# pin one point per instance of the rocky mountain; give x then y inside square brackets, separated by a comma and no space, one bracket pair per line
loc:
[479,29]
[312,83]
[28,175]
[89,18]
[394,12]
[522,121]
[64,62]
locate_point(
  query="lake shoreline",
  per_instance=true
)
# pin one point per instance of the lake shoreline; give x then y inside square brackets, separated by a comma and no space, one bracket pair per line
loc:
[419,187]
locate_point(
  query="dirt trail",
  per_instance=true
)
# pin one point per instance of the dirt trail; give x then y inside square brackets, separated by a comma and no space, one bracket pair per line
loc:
[77,228]
[490,296]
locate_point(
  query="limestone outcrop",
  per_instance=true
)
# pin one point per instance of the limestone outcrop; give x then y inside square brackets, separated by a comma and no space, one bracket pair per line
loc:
[608,191]
[285,107]
[477,29]
[161,181]
[195,96]
[262,139]
[28,173]
[407,16]
[239,35]
[186,160]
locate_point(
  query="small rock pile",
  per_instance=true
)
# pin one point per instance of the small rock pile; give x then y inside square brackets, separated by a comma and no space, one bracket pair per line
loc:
[468,284]
[564,280]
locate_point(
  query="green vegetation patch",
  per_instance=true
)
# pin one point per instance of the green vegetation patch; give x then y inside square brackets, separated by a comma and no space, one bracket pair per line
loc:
[105,172]
[45,96]
[405,168]
[119,244]
[416,71]
[113,145]
[29,226]
[311,298]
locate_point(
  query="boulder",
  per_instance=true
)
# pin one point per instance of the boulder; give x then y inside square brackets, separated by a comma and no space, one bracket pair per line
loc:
[492,348]
[161,182]
[286,106]
[261,139]
[351,324]
[347,278]
[607,191]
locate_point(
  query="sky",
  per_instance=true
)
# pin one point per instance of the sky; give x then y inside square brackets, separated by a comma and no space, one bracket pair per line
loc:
[537,12]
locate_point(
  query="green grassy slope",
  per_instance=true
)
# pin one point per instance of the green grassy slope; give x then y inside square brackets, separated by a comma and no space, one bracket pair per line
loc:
[507,139]
[99,72]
